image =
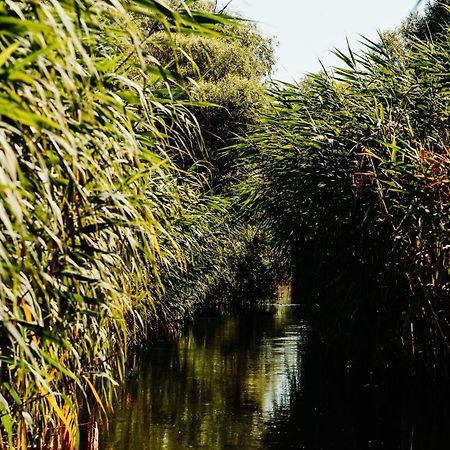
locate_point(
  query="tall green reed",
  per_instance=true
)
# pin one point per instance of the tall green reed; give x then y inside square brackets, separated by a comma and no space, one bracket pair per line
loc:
[350,171]
[86,125]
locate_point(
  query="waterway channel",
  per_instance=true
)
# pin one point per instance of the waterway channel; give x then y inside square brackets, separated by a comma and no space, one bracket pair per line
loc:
[217,388]
[241,382]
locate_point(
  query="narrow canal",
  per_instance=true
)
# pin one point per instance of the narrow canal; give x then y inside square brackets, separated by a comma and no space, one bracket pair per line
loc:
[245,382]
[218,388]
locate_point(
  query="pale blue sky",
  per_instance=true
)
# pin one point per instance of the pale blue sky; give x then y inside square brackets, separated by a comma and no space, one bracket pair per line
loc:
[308,29]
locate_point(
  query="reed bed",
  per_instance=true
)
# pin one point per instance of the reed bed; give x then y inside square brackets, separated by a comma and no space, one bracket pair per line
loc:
[350,172]
[90,203]
[125,205]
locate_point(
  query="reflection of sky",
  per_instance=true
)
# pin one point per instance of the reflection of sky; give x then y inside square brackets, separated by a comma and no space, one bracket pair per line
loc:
[283,354]
[270,376]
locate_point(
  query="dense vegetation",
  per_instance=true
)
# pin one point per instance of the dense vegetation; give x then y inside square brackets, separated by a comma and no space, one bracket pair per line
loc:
[127,203]
[350,171]
[102,223]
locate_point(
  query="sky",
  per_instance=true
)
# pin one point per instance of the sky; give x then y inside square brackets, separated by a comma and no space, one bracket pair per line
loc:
[307,30]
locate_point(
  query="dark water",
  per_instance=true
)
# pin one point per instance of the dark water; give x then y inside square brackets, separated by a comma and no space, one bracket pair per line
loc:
[216,389]
[246,383]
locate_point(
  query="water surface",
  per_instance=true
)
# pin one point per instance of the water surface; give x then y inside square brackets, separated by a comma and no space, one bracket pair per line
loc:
[249,382]
[217,388]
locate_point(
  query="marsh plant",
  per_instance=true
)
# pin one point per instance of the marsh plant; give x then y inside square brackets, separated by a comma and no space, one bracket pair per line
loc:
[350,171]
[90,201]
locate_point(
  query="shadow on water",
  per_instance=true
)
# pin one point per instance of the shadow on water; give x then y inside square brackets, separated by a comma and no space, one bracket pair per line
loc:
[332,411]
[245,382]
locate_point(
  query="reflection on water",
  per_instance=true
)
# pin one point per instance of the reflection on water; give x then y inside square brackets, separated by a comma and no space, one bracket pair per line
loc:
[246,382]
[215,389]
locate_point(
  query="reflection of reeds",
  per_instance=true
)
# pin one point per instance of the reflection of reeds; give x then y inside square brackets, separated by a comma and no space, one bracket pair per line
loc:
[335,410]
[214,388]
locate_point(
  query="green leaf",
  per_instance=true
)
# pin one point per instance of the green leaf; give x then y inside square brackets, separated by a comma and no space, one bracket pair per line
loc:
[21,116]
[6,54]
